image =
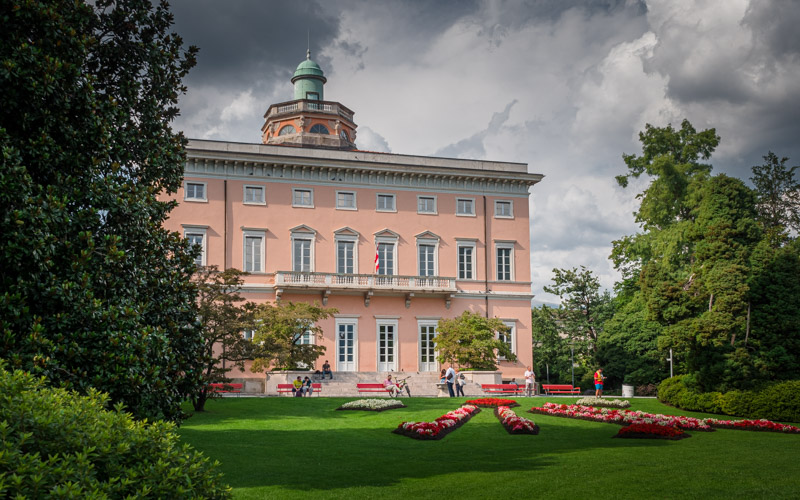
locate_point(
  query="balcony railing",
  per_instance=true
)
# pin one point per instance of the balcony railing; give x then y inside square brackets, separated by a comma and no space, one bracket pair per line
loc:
[290,279]
[330,107]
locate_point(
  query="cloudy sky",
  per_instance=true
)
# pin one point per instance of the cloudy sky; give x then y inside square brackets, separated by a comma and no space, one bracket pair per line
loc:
[562,85]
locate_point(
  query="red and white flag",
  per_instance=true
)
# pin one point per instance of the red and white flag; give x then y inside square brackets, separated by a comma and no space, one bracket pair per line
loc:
[377,263]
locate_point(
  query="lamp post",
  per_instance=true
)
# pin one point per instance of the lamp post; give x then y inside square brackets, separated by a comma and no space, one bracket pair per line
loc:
[572,362]
[670,362]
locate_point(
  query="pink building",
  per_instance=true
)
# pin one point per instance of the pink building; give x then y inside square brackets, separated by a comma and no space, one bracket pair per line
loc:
[309,216]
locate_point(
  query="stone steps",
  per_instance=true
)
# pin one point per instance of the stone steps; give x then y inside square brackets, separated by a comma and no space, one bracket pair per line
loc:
[343,384]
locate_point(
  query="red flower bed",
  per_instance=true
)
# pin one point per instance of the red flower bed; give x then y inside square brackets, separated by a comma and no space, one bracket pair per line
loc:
[651,431]
[440,427]
[514,424]
[752,425]
[624,417]
[492,402]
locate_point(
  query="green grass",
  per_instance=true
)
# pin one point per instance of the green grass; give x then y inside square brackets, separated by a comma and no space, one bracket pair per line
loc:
[301,448]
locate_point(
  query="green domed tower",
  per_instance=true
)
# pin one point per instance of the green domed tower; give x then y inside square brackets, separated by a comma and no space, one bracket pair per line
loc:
[309,80]
[309,121]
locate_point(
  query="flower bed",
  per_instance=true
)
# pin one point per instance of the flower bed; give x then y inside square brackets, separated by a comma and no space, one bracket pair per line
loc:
[752,425]
[624,417]
[440,427]
[514,424]
[651,431]
[492,402]
[603,403]
[372,405]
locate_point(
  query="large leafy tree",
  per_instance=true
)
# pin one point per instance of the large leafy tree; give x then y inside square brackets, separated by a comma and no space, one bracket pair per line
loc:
[551,348]
[472,341]
[93,291]
[584,308]
[224,314]
[278,336]
[778,196]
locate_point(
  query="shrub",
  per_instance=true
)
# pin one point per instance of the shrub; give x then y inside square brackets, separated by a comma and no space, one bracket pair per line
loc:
[56,443]
[647,390]
[778,401]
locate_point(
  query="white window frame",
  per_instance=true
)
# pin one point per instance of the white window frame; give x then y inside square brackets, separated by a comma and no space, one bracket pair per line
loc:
[311,238]
[304,190]
[504,245]
[466,214]
[435,244]
[345,239]
[466,244]
[377,202]
[254,234]
[390,240]
[342,207]
[512,325]
[263,200]
[510,204]
[195,199]
[202,231]
[435,209]
[249,333]
[387,322]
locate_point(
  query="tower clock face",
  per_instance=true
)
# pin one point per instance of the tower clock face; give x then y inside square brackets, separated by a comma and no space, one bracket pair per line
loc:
[343,134]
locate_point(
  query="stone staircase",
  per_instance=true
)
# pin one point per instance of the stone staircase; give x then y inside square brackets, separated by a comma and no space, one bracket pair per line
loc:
[421,384]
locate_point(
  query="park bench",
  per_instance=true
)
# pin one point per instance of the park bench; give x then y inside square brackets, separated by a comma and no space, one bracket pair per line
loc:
[284,388]
[371,388]
[560,389]
[503,389]
[232,388]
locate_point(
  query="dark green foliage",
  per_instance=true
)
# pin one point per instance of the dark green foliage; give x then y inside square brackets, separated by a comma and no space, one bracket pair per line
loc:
[774,401]
[57,444]
[94,293]
[224,316]
[778,196]
[550,349]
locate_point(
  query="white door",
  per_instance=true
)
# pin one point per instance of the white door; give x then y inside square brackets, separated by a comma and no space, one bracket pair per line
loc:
[346,347]
[387,347]
[427,348]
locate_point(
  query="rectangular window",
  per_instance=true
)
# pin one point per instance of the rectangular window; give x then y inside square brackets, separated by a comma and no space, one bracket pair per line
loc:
[254,195]
[386,258]
[197,239]
[302,198]
[426,204]
[195,191]
[345,251]
[385,203]
[510,337]
[248,334]
[426,260]
[301,255]
[466,262]
[345,200]
[254,252]
[504,261]
[465,206]
[503,209]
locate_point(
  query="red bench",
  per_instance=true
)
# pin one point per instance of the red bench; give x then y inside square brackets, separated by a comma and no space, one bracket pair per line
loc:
[503,389]
[284,388]
[560,389]
[371,388]
[233,388]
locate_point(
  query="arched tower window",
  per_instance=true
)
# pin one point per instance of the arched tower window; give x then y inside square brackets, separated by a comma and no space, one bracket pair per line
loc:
[320,129]
[288,129]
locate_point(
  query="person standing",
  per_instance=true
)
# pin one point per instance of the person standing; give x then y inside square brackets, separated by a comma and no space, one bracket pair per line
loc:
[598,383]
[529,378]
[460,383]
[450,379]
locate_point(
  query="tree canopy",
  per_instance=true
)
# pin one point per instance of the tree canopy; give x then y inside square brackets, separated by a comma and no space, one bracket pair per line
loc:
[472,341]
[93,291]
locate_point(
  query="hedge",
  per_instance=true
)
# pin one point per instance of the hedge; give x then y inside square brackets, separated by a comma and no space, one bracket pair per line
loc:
[778,401]
[55,443]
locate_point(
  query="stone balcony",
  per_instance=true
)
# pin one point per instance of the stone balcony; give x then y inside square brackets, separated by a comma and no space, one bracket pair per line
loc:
[309,106]
[368,284]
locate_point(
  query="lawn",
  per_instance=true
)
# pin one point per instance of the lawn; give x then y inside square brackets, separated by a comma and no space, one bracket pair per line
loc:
[302,448]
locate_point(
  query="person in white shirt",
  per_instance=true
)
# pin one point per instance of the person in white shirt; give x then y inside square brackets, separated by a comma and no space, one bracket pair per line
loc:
[529,378]
[450,379]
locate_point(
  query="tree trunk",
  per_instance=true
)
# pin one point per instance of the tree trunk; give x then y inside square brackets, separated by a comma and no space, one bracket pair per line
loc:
[747,330]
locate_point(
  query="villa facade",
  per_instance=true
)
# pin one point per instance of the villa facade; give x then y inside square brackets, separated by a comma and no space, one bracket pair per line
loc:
[394,242]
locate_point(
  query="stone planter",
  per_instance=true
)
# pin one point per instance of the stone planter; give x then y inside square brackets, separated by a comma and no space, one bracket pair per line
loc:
[483,377]
[627,391]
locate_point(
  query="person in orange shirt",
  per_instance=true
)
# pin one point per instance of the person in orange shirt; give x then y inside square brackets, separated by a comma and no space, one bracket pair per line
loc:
[598,383]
